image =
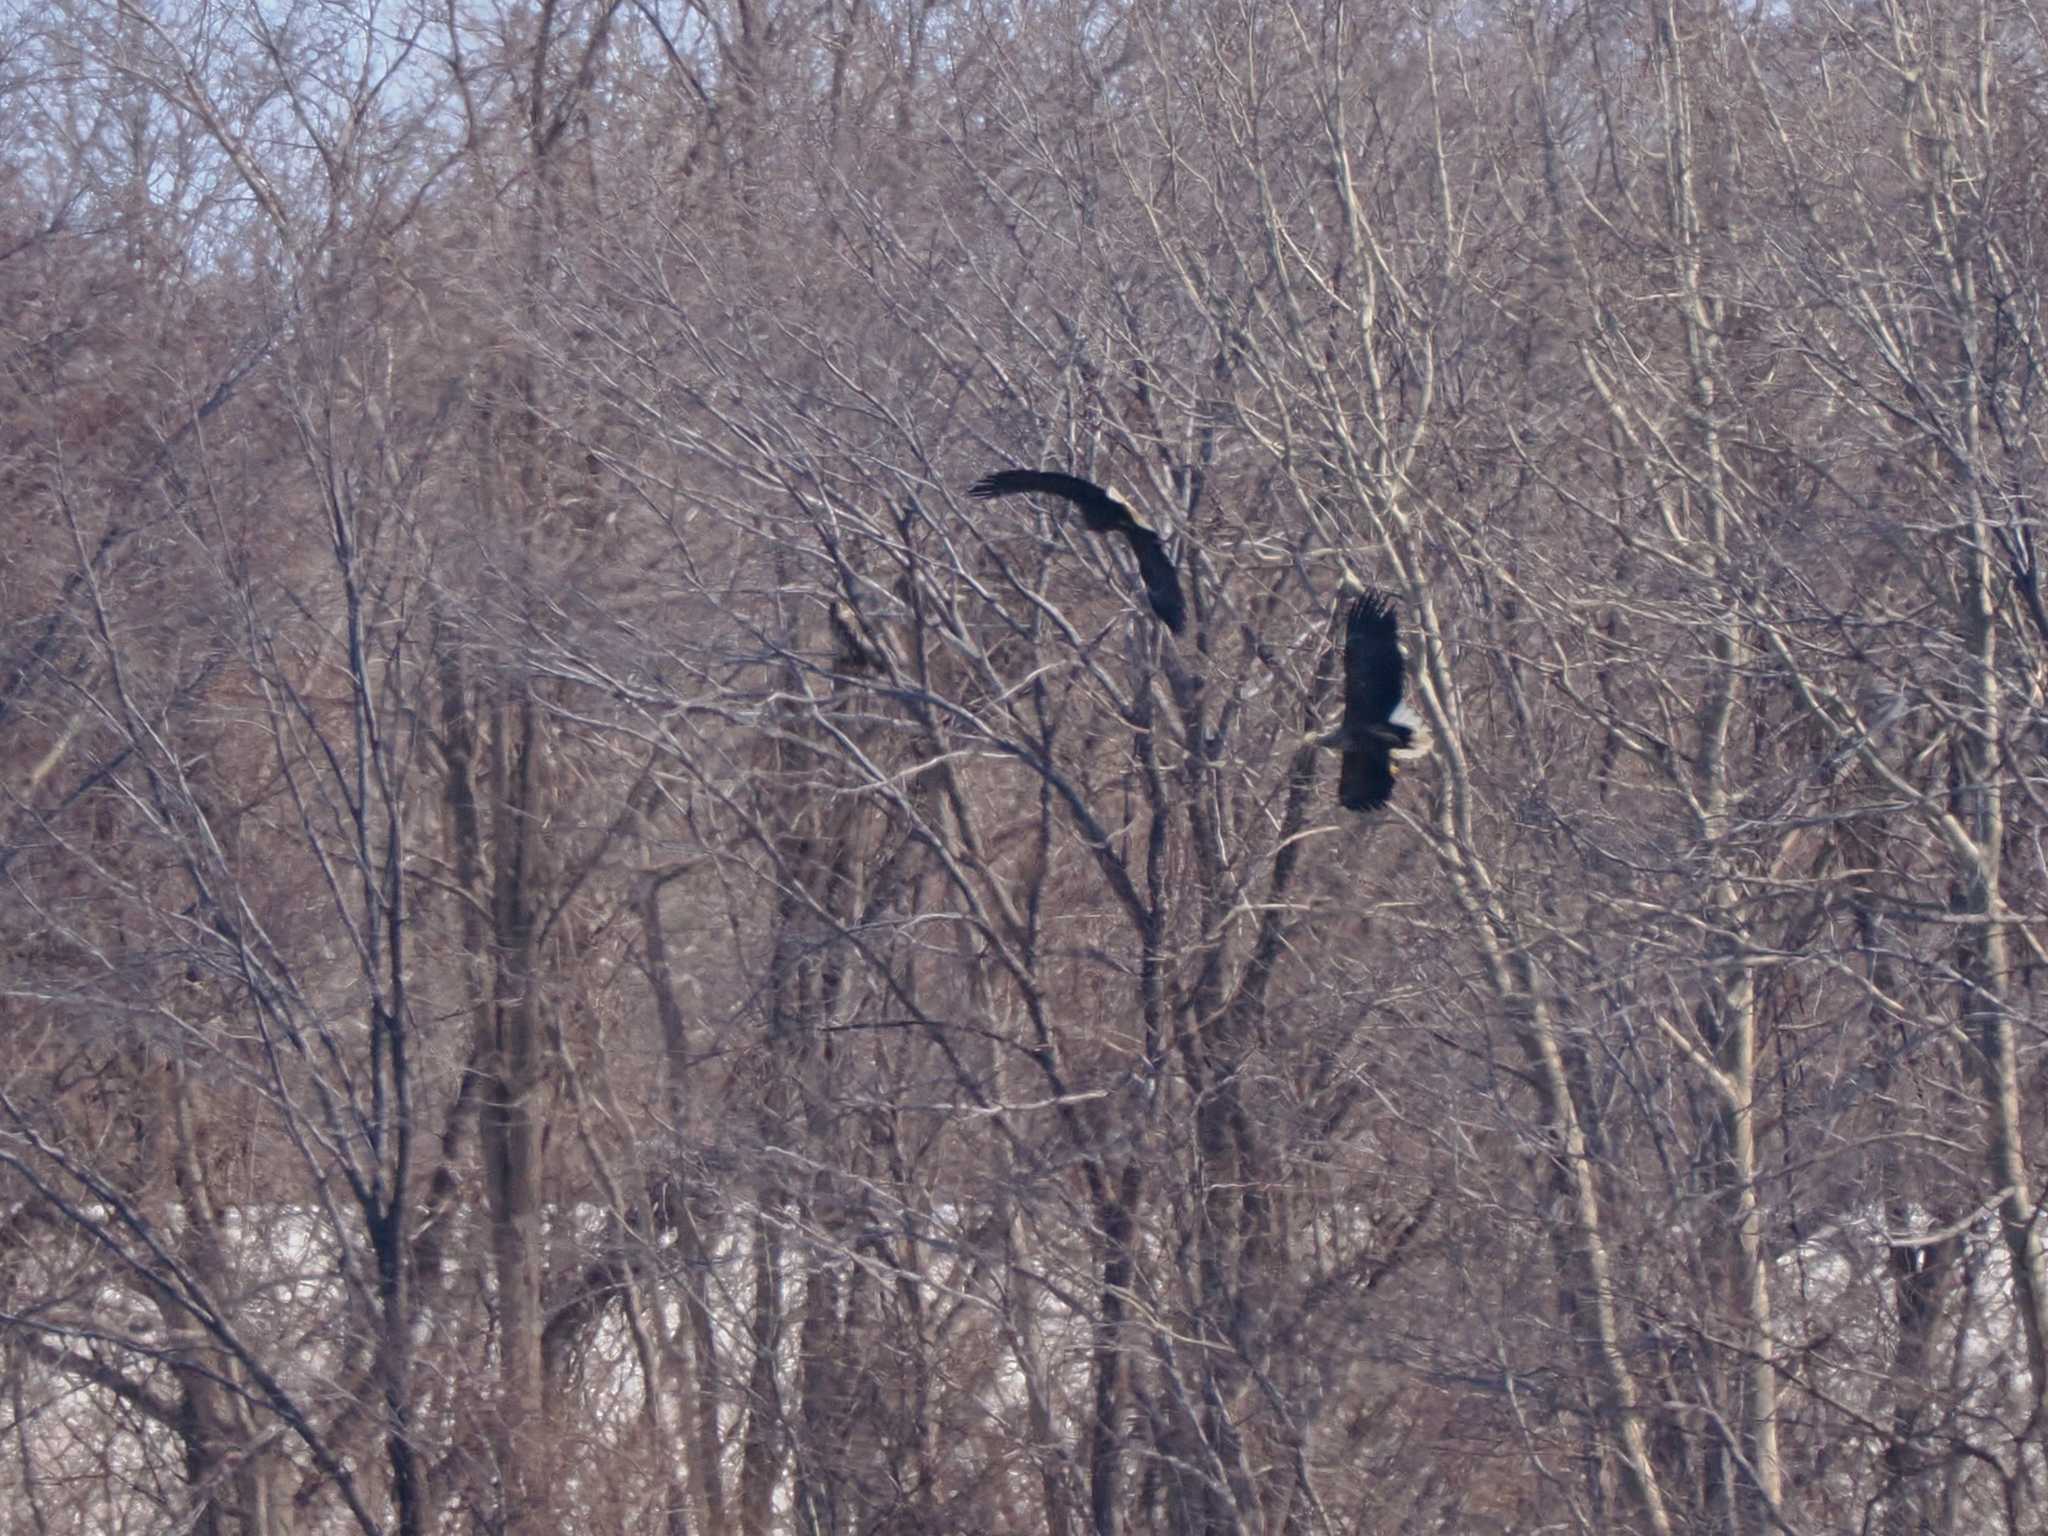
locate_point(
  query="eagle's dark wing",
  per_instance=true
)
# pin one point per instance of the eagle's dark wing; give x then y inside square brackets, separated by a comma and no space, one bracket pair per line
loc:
[1372,670]
[1096,504]
[1368,781]
[1104,514]
[1162,581]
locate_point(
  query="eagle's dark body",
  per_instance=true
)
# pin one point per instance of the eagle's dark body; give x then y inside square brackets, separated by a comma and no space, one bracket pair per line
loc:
[1103,513]
[1377,727]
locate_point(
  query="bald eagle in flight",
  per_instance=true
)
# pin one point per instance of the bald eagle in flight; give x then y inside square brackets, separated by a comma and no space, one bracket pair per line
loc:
[1378,728]
[1103,513]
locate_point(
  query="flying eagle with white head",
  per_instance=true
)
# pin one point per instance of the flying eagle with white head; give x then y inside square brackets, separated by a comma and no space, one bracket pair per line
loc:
[1378,728]
[1103,513]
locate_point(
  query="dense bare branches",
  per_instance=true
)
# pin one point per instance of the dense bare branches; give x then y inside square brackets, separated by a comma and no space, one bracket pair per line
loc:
[592,945]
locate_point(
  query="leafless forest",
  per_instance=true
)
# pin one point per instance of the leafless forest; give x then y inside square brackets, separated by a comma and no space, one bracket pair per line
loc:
[589,946]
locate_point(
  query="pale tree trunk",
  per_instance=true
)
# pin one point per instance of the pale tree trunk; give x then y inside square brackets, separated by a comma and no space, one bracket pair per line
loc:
[1728,1020]
[1375,443]
[1577,1229]
[1948,113]
[1934,373]
[1985,968]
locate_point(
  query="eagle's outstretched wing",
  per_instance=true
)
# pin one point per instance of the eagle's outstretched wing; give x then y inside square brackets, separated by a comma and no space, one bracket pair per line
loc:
[1102,510]
[1372,665]
[1375,725]
[1104,514]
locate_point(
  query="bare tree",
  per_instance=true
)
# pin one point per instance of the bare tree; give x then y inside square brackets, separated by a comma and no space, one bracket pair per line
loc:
[592,945]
